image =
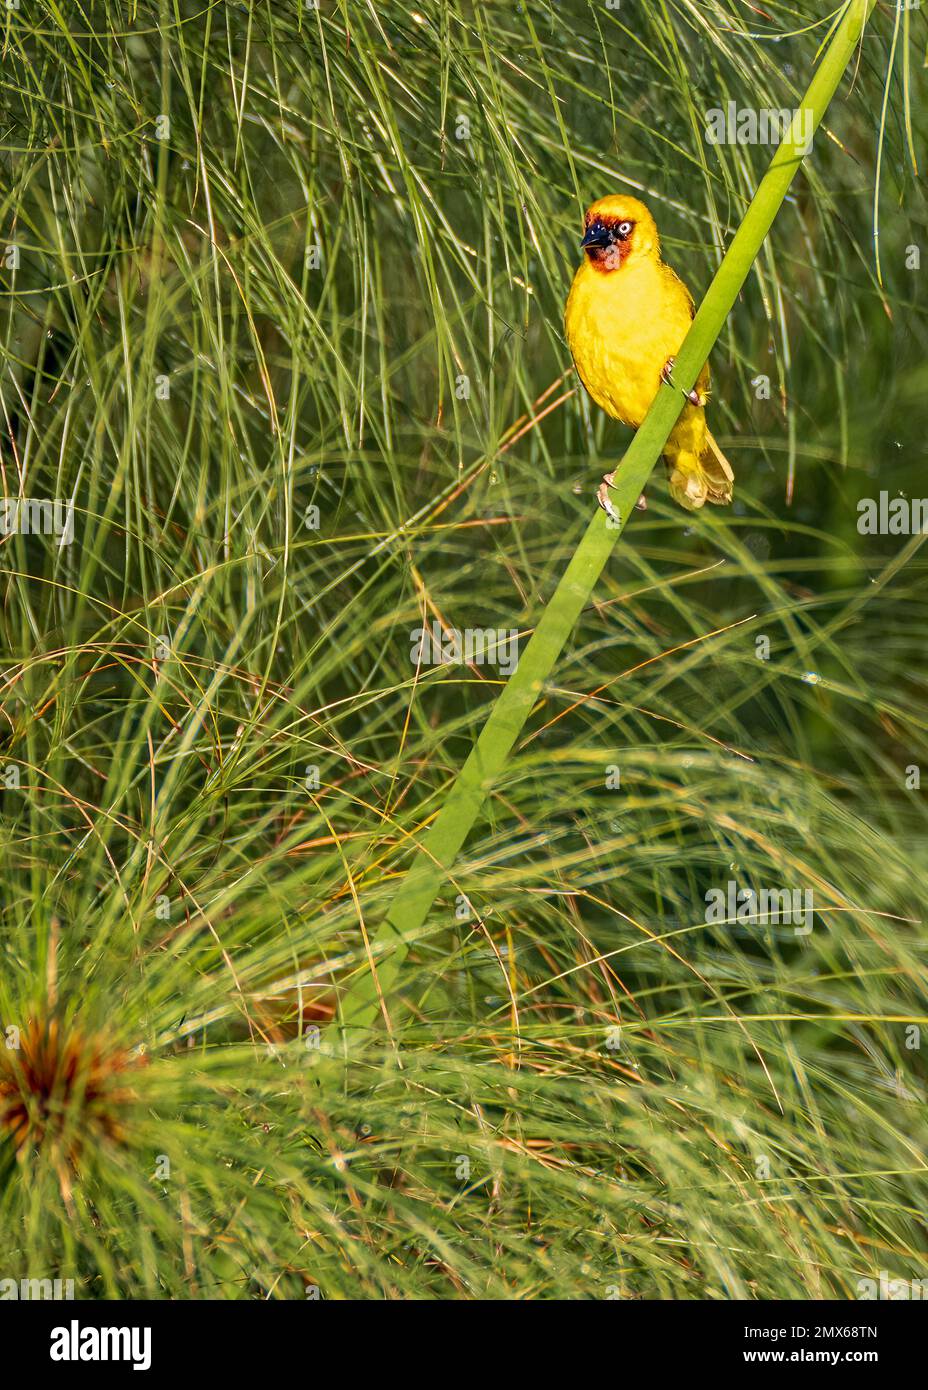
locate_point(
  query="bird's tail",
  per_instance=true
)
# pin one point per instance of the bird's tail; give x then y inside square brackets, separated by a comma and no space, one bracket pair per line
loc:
[706,478]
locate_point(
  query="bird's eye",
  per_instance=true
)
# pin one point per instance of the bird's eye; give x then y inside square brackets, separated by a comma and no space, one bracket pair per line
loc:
[624,228]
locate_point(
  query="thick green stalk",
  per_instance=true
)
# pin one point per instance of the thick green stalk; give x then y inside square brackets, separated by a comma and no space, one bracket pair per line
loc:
[440,846]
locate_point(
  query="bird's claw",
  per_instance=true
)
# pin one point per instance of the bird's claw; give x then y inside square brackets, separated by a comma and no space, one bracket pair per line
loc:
[694,397]
[602,497]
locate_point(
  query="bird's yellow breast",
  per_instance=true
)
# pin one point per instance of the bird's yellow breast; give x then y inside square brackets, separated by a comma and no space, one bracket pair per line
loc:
[622,326]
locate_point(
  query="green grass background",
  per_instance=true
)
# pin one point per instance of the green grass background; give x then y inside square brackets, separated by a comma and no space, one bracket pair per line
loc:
[584,1091]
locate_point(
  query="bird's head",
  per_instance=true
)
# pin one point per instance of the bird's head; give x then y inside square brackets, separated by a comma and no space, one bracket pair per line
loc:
[616,230]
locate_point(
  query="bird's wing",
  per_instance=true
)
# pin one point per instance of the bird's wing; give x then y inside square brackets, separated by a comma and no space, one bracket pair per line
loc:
[677,288]
[719,457]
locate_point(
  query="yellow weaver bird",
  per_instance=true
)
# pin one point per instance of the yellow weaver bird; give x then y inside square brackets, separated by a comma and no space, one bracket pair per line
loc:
[627,315]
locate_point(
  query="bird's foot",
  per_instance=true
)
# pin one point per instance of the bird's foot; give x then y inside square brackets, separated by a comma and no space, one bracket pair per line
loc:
[694,397]
[602,497]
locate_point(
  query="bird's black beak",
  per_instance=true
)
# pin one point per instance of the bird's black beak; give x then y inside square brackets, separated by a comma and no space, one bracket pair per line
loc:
[596,235]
